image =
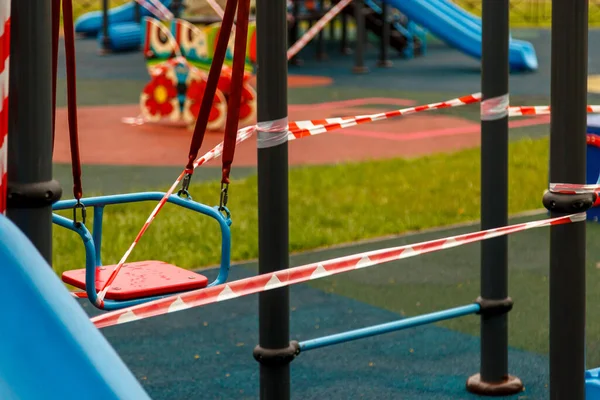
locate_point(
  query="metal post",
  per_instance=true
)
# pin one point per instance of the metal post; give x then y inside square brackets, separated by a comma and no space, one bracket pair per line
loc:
[493,378]
[31,190]
[105,47]
[384,61]
[359,61]
[568,164]
[274,351]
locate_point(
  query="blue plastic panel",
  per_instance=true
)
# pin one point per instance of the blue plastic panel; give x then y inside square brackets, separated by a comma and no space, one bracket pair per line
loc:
[460,31]
[49,348]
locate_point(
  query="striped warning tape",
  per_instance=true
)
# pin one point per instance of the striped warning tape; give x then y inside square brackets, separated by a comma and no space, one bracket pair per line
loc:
[517,111]
[305,273]
[300,129]
[4,64]
[157,8]
[573,188]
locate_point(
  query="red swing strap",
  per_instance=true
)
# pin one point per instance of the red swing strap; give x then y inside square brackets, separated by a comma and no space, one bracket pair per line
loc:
[55,33]
[235,98]
[69,33]
[234,101]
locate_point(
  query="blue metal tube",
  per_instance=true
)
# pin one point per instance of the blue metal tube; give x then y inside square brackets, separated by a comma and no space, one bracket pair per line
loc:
[388,327]
[97,233]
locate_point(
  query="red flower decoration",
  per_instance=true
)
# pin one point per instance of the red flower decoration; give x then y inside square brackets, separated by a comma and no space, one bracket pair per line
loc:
[160,92]
[196,93]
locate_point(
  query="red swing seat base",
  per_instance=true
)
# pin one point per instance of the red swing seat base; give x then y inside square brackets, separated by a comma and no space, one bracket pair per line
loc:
[140,279]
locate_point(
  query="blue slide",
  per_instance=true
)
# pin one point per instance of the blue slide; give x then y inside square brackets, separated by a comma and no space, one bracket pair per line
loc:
[49,348]
[123,30]
[462,30]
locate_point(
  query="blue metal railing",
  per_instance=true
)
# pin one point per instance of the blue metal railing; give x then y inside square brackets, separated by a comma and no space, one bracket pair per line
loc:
[375,330]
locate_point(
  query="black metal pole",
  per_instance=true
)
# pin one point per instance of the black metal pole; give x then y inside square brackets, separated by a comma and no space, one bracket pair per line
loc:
[359,60]
[493,378]
[274,351]
[31,190]
[568,164]
[384,44]
[105,47]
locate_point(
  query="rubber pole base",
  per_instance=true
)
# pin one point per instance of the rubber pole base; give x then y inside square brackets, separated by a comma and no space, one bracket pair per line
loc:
[385,63]
[360,70]
[511,385]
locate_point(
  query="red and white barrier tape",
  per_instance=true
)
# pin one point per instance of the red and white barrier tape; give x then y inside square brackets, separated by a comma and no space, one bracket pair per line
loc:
[300,129]
[216,8]
[316,28]
[4,84]
[243,134]
[292,276]
[157,8]
[573,188]
[541,110]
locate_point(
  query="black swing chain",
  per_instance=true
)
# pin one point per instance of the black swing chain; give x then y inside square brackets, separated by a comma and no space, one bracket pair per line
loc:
[81,206]
[185,185]
[224,196]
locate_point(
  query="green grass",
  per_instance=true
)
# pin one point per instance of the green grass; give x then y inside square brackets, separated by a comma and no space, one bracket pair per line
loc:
[329,205]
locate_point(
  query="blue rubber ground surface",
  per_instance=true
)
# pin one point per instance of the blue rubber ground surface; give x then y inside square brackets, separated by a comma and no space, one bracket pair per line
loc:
[207,353]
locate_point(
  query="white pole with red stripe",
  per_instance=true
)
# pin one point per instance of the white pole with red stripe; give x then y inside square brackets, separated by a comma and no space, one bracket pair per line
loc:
[4,67]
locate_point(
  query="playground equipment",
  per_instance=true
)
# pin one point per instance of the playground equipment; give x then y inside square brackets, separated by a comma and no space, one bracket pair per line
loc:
[178,61]
[73,346]
[461,30]
[119,28]
[144,281]
[275,351]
